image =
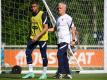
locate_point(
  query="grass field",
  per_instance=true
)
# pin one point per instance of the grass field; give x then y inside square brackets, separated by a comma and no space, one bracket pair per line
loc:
[75,77]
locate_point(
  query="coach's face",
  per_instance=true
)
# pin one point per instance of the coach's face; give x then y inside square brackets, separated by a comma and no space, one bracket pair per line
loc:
[34,7]
[61,9]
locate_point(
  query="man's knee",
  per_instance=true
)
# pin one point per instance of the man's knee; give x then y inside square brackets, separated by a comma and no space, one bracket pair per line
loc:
[60,53]
[28,52]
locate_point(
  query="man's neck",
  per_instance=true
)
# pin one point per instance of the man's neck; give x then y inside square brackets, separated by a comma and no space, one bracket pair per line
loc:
[62,14]
[35,13]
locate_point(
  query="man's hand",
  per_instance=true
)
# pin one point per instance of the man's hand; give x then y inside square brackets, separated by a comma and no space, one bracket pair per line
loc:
[35,38]
[73,43]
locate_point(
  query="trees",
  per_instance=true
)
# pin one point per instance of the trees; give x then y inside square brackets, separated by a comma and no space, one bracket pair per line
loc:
[87,15]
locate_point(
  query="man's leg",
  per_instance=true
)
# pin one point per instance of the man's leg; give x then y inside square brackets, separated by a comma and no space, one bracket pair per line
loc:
[66,62]
[62,48]
[29,49]
[43,48]
[66,67]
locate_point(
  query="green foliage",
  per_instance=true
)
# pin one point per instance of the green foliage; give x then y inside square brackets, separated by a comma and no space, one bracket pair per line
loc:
[87,16]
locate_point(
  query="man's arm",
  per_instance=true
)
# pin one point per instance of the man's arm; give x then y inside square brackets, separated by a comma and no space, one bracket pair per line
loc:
[52,29]
[45,27]
[73,32]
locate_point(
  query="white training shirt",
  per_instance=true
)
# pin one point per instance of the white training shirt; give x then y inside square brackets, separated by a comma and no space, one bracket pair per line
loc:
[63,25]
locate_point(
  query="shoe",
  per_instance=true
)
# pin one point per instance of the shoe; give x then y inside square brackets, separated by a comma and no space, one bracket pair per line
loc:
[29,75]
[67,76]
[58,76]
[43,76]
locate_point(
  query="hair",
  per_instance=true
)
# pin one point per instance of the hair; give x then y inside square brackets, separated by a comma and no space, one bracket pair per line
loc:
[35,2]
[63,4]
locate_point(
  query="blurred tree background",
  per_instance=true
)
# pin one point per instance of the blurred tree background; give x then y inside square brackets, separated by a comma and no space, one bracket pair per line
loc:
[88,16]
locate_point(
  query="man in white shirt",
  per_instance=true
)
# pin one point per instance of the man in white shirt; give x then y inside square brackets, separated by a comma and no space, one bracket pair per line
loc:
[65,30]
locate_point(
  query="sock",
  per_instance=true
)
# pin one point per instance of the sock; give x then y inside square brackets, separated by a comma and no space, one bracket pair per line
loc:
[30,67]
[44,70]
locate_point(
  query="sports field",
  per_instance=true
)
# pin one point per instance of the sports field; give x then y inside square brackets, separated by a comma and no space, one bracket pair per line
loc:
[75,77]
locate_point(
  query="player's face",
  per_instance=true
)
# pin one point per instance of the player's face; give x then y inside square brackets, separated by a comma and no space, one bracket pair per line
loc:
[61,9]
[34,7]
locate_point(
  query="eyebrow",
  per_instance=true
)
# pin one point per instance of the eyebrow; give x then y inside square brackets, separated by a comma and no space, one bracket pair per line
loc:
[59,7]
[33,6]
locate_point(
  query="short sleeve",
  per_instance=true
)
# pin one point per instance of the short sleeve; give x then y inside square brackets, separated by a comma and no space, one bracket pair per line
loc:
[72,25]
[44,18]
[69,21]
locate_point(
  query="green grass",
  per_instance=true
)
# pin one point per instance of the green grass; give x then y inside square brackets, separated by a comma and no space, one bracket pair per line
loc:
[75,77]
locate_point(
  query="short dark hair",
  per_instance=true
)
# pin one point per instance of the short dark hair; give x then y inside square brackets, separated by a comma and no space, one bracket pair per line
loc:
[35,2]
